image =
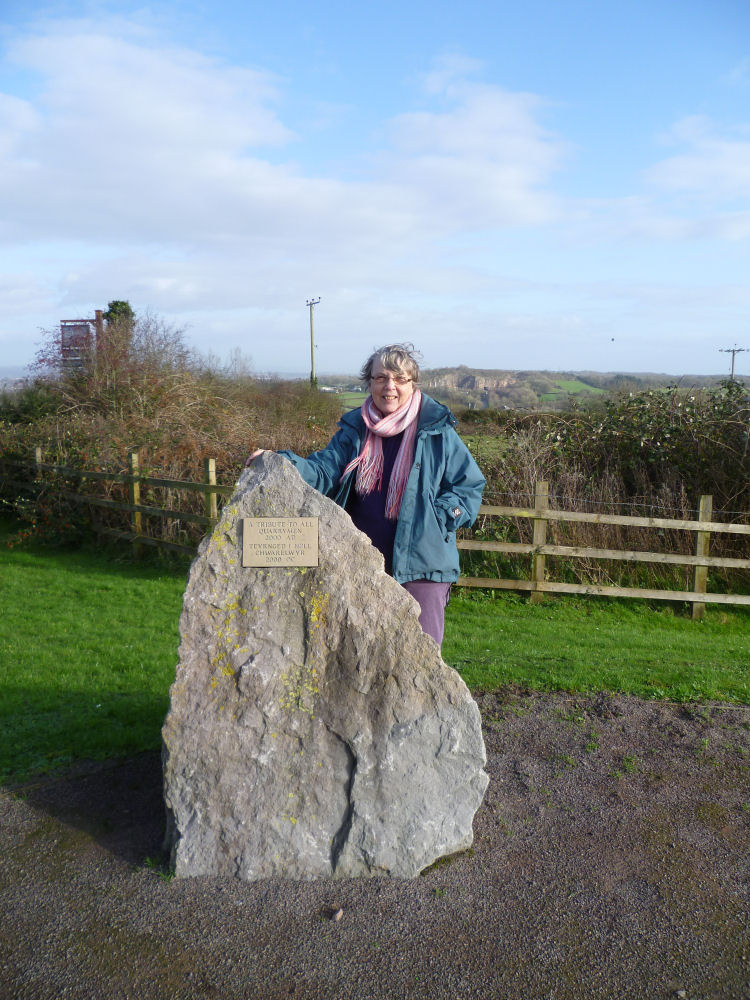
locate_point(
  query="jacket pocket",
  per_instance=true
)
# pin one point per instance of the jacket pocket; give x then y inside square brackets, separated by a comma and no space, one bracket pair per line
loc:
[440,520]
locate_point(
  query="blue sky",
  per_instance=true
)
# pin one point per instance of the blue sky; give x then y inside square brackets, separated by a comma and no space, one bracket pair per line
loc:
[560,185]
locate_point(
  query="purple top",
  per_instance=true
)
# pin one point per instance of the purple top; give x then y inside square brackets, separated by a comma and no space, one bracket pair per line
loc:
[368,512]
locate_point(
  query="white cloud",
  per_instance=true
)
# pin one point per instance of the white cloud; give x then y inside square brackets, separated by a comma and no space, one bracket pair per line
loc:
[17,119]
[713,166]
[699,194]
[649,219]
[18,289]
[128,139]
[132,142]
[172,98]
[449,74]
[482,163]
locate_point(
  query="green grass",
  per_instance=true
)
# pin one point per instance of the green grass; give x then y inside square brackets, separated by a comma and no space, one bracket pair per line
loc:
[88,648]
[573,386]
[592,644]
[350,400]
[485,447]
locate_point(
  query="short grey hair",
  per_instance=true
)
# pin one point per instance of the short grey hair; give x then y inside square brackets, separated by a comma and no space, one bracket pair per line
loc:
[398,358]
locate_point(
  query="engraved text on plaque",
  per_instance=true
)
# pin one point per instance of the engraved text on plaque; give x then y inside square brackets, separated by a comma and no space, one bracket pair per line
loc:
[280,541]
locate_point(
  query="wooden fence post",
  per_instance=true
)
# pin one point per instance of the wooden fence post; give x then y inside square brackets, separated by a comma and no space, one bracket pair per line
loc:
[37,462]
[209,478]
[701,549]
[134,497]
[541,501]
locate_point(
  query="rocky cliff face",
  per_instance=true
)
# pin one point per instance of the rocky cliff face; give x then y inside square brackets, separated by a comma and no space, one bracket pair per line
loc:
[467,379]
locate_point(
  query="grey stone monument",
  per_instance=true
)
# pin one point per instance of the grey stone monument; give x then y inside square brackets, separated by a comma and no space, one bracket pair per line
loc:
[313,729]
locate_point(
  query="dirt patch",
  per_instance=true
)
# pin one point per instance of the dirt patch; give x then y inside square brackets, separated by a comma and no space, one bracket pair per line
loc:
[610,860]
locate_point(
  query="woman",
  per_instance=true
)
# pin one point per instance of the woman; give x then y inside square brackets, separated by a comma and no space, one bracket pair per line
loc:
[405,477]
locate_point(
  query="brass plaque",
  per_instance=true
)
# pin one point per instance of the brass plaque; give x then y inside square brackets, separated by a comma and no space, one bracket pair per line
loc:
[280,541]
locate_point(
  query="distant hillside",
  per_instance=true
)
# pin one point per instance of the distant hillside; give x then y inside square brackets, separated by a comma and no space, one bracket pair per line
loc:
[491,388]
[545,390]
[467,379]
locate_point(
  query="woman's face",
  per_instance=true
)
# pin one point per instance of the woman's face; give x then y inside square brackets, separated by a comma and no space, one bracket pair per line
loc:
[388,394]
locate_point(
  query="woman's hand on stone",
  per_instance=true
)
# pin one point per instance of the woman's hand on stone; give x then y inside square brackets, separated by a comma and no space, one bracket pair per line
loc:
[253,455]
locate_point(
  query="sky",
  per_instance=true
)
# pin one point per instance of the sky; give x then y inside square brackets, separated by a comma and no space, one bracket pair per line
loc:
[553,184]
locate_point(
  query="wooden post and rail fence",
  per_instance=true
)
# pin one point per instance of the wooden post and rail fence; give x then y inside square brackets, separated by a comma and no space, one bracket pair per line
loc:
[538,549]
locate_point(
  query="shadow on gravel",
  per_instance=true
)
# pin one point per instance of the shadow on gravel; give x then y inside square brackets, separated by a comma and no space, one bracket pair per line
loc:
[118,804]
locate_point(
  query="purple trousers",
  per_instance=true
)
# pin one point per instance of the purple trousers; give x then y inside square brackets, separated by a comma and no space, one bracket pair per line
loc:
[432,598]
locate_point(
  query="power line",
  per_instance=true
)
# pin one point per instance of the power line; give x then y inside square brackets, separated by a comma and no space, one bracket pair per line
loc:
[732,350]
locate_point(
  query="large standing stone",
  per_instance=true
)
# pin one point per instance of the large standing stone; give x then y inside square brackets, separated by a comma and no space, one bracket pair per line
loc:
[313,728]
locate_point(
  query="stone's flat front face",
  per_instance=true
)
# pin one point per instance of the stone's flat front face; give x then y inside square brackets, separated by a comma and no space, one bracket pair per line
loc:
[313,728]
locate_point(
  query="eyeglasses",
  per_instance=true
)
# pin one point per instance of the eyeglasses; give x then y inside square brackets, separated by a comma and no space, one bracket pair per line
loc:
[398,379]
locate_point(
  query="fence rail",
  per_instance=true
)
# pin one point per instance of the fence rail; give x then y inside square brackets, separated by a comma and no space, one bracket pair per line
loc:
[134,479]
[539,549]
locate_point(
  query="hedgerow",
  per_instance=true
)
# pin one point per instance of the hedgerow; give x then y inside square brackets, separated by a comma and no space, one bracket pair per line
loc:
[651,453]
[696,438]
[139,388]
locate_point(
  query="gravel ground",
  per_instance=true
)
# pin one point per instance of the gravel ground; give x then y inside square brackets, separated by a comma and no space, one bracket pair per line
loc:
[610,861]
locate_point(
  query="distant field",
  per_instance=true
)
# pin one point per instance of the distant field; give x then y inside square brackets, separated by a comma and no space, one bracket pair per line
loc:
[350,400]
[573,387]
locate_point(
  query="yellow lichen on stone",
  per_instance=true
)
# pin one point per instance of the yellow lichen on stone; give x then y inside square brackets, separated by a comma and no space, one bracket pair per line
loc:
[227,635]
[301,686]
[318,607]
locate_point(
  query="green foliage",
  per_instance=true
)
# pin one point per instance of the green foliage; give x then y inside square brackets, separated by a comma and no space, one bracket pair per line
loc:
[119,311]
[651,453]
[653,437]
[48,515]
[29,403]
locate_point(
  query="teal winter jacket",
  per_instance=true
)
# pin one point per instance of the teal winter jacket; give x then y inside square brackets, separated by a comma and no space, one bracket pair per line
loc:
[443,492]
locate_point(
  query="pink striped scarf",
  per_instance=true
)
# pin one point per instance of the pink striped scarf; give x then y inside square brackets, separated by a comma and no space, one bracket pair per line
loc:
[369,462]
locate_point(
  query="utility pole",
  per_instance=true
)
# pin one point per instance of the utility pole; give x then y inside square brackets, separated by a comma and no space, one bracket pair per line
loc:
[732,350]
[311,303]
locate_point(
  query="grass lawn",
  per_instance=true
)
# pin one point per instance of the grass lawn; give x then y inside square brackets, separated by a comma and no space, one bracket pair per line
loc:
[654,650]
[88,648]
